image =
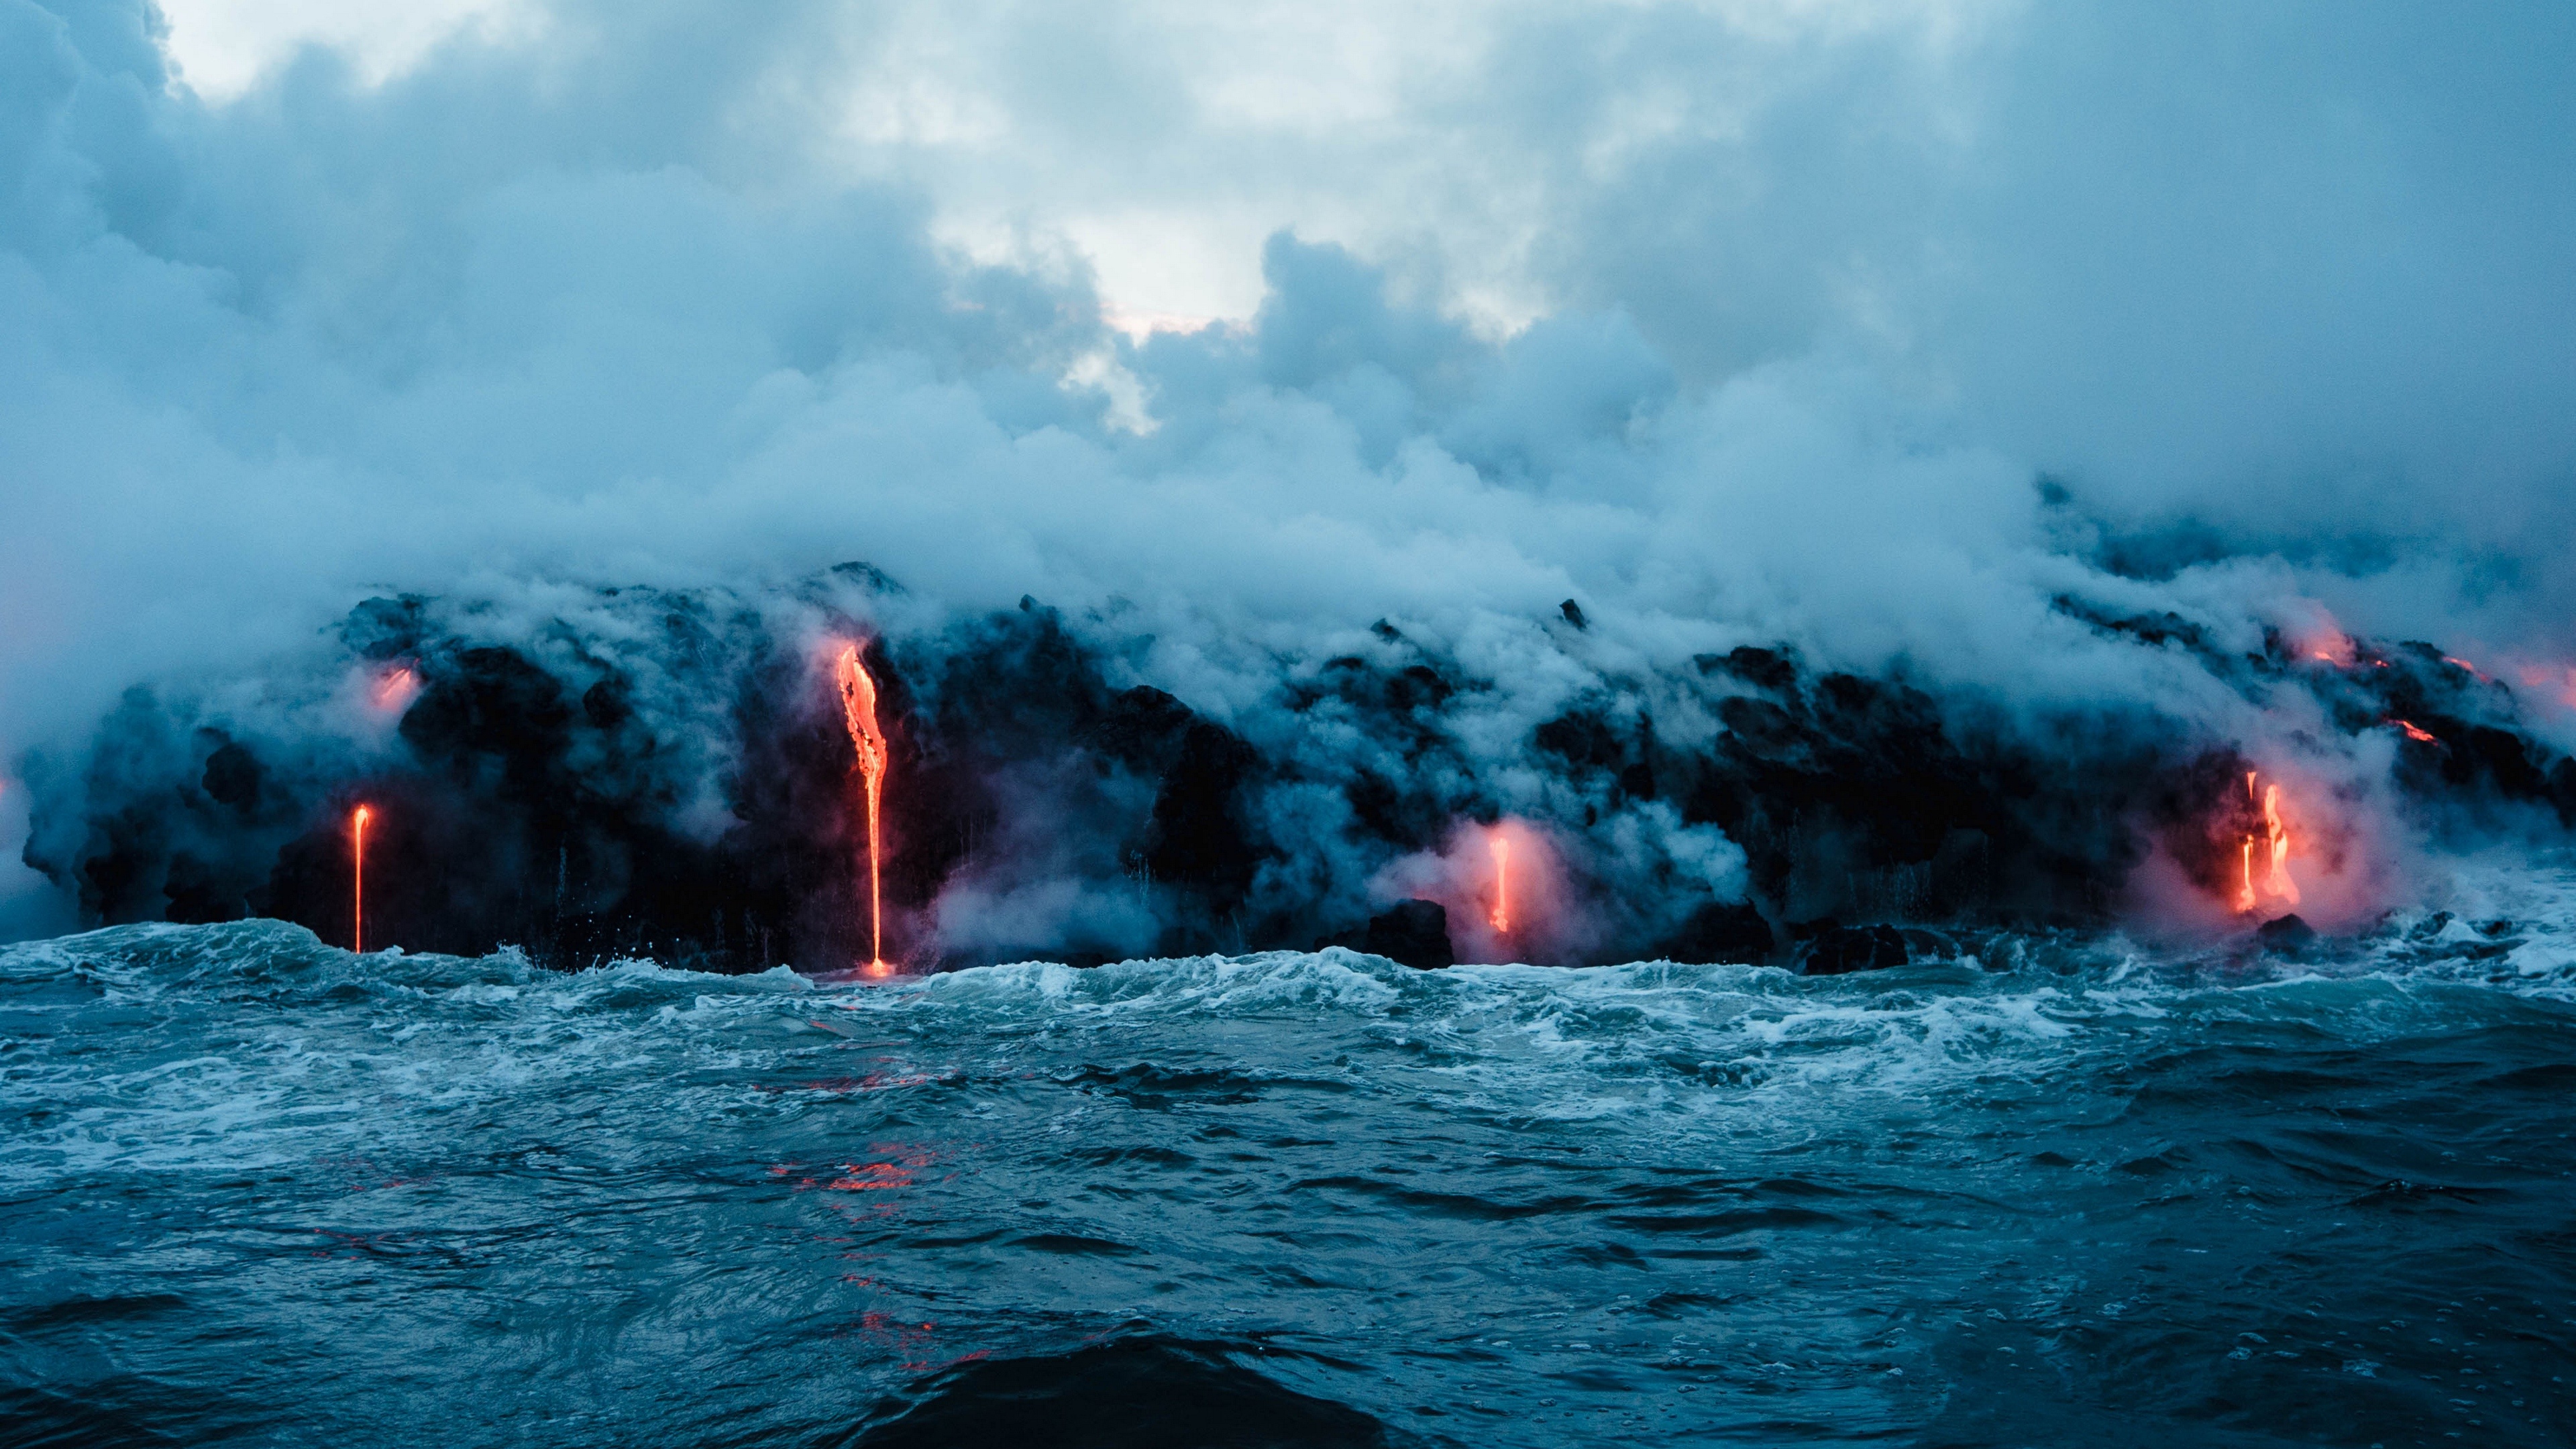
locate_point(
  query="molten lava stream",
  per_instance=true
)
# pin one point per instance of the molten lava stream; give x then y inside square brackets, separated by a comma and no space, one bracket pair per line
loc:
[2273,844]
[859,710]
[394,687]
[1501,918]
[2279,883]
[358,879]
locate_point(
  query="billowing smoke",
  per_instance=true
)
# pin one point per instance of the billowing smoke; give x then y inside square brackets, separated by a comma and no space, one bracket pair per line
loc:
[1915,493]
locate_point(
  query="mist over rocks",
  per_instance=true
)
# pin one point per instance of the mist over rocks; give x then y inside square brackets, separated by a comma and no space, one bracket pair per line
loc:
[605,772]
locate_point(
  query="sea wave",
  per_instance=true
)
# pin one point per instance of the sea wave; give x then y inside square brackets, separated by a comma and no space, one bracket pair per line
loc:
[1992,1199]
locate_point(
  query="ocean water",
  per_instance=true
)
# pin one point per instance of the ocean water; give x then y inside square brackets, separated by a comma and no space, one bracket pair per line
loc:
[256,1190]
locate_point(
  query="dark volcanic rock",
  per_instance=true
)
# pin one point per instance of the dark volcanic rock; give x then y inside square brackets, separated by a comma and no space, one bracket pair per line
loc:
[1719,933]
[681,786]
[1200,838]
[1763,668]
[1132,1394]
[1856,948]
[2288,934]
[1415,933]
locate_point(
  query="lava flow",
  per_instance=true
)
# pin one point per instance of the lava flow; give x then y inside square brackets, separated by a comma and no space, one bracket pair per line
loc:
[394,688]
[1502,912]
[358,879]
[2274,843]
[859,708]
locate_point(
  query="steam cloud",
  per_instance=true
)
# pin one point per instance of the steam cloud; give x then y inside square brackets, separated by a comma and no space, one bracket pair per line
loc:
[1940,441]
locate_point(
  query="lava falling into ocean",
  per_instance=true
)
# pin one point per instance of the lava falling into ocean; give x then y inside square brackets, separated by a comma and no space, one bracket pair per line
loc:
[859,711]
[394,688]
[358,879]
[2270,848]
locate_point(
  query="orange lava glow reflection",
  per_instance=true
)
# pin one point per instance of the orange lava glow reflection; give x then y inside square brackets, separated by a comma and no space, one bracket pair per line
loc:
[859,710]
[358,879]
[1501,916]
[2273,848]
[2556,679]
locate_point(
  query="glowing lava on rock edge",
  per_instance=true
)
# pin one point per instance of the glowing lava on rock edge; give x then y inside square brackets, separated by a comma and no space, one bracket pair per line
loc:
[1501,916]
[2274,843]
[358,879]
[859,710]
[2328,644]
[394,687]
[2416,733]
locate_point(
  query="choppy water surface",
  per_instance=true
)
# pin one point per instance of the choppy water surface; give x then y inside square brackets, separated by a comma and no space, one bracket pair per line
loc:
[258,1189]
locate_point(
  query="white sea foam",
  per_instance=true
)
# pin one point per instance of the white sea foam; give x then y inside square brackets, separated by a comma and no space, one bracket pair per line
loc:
[236,1048]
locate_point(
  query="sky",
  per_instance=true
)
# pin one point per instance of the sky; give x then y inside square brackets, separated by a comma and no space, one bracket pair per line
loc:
[1740,321]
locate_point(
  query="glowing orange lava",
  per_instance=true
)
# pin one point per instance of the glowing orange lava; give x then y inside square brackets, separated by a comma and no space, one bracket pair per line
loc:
[2274,846]
[2330,645]
[2280,883]
[2418,735]
[358,879]
[395,687]
[859,708]
[1502,913]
